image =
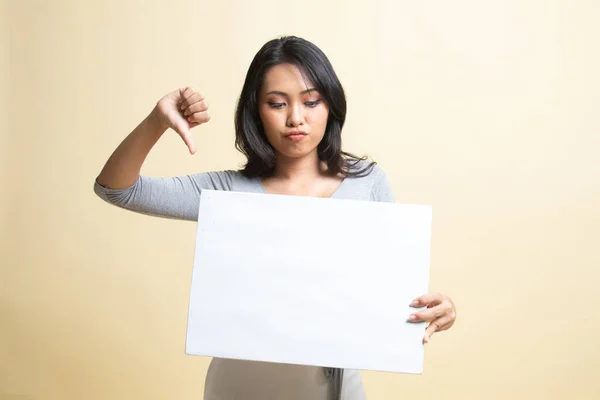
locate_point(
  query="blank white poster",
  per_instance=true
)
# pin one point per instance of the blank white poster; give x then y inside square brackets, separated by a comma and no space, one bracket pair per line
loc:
[310,281]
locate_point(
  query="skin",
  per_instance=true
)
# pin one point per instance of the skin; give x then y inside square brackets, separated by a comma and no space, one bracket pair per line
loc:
[287,102]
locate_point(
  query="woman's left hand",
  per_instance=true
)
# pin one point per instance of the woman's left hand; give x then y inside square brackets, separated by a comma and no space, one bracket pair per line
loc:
[440,313]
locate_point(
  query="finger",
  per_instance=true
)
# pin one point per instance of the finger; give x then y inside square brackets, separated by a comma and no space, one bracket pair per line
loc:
[447,326]
[199,117]
[185,93]
[189,97]
[431,329]
[199,106]
[428,314]
[193,99]
[437,325]
[189,141]
[448,320]
[429,299]
[184,133]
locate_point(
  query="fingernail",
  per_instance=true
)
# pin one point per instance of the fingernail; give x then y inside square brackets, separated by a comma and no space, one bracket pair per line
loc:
[414,303]
[412,317]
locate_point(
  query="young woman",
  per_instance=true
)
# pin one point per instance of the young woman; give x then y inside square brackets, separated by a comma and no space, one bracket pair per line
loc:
[288,124]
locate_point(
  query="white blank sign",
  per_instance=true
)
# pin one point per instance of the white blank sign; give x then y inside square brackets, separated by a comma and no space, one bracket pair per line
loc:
[310,281]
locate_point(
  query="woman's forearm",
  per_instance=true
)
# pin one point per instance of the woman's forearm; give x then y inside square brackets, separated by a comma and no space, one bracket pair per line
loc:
[123,166]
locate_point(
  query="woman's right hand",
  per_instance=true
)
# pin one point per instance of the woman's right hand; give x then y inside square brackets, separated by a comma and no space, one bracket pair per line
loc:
[182,110]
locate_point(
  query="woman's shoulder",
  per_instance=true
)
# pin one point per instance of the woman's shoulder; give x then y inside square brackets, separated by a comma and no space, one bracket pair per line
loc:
[227,179]
[370,176]
[365,169]
[220,175]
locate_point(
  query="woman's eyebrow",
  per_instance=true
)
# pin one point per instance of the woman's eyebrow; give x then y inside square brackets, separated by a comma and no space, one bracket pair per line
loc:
[280,93]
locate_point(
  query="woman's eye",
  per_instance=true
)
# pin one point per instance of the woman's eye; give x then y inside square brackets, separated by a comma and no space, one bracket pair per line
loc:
[276,105]
[312,104]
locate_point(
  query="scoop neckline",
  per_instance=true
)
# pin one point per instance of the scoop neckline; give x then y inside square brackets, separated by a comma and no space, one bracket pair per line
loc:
[337,189]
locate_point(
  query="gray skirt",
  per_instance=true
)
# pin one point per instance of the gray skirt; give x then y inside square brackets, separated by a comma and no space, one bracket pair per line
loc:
[229,379]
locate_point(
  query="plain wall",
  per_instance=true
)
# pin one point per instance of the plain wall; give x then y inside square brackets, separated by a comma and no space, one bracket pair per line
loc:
[4,128]
[488,111]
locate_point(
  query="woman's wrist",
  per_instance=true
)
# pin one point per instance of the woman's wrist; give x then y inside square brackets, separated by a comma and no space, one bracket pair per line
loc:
[156,122]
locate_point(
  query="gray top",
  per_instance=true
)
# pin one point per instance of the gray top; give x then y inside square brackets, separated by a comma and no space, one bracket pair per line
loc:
[178,198]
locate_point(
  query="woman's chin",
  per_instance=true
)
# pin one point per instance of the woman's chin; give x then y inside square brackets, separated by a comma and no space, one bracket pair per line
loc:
[297,152]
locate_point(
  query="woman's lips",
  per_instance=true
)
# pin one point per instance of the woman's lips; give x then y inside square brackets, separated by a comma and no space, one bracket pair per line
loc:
[295,136]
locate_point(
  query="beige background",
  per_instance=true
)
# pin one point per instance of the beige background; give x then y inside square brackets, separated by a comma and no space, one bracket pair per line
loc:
[486,110]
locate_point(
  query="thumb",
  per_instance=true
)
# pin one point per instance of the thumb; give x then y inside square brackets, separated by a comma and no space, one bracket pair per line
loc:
[187,137]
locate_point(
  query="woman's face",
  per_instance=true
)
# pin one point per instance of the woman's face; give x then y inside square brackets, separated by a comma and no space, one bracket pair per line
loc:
[293,114]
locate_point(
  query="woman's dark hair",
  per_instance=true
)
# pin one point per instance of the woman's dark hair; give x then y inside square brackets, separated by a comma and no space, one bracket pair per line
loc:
[250,138]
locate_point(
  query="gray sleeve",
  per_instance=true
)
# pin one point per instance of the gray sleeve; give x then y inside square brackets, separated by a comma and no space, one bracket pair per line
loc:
[174,197]
[382,190]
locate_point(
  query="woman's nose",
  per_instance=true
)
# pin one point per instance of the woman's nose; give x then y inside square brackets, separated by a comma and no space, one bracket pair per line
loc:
[296,116]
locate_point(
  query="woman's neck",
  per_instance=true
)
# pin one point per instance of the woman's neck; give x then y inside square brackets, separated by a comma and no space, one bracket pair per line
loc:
[302,168]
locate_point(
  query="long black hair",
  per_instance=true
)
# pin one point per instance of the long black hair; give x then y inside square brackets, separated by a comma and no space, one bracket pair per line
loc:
[250,138]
